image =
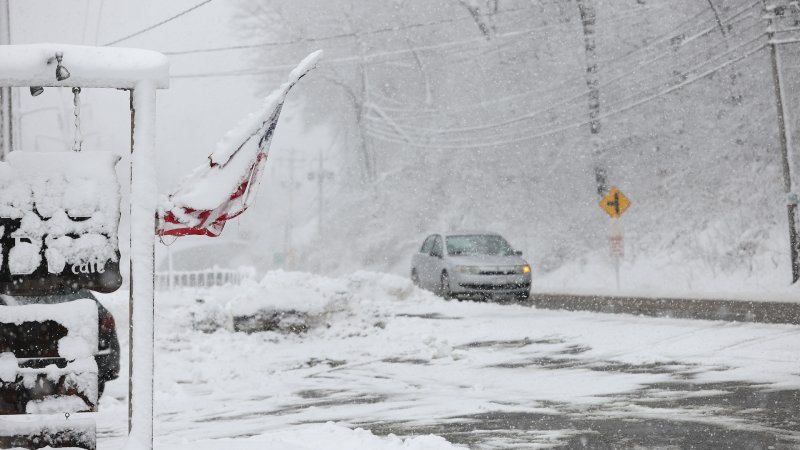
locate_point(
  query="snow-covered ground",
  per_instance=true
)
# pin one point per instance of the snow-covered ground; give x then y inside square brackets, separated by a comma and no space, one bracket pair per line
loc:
[380,351]
[673,274]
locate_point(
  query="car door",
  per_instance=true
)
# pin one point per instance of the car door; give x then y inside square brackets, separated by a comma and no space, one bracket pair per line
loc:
[436,259]
[422,262]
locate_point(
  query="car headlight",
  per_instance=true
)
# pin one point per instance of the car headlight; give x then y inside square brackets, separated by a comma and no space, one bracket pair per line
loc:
[468,269]
[524,269]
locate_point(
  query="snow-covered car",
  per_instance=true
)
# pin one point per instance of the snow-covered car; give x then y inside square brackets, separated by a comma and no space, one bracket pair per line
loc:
[475,265]
[108,352]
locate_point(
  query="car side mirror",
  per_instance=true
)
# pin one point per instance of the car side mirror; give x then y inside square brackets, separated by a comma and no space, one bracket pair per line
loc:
[518,252]
[436,254]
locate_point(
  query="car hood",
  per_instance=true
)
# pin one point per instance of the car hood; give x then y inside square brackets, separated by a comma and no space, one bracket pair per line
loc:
[486,260]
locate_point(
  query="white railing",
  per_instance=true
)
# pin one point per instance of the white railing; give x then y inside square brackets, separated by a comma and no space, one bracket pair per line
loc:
[215,276]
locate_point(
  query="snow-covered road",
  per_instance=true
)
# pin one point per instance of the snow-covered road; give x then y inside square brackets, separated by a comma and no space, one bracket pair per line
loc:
[387,357]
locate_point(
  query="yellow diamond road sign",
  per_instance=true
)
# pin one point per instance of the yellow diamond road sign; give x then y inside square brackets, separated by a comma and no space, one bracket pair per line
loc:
[615,203]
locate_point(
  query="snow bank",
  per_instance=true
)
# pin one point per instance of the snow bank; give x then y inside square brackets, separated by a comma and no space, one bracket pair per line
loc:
[8,367]
[295,301]
[315,294]
[327,436]
[79,317]
[75,431]
[671,274]
[280,290]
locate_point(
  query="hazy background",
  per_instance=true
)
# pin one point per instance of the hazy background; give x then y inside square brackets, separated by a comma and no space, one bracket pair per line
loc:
[433,115]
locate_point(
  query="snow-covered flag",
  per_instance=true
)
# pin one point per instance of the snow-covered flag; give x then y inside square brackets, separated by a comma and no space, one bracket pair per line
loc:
[224,188]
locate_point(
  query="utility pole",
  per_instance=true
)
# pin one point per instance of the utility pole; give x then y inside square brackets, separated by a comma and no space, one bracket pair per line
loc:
[773,14]
[290,185]
[6,130]
[287,236]
[616,230]
[588,21]
[320,175]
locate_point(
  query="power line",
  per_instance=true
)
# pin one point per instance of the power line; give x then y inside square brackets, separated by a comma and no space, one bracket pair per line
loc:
[677,31]
[151,27]
[393,138]
[576,124]
[660,39]
[684,40]
[350,59]
[568,100]
[373,56]
[338,36]
[415,131]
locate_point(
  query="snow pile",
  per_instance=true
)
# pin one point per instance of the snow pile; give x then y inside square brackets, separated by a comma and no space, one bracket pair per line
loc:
[79,317]
[8,367]
[65,203]
[294,301]
[327,436]
[55,404]
[64,433]
[280,290]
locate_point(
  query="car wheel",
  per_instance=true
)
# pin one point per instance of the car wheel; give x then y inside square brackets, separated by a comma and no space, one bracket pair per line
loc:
[415,277]
[444,287]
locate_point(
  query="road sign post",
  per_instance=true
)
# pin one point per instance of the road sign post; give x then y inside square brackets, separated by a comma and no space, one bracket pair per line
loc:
[615,203]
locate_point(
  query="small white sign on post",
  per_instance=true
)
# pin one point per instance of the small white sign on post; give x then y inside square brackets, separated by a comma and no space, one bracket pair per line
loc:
[617,246]
[616,241]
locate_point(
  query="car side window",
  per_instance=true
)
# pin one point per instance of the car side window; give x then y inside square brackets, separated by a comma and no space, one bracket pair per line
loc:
[427,245]
[437,246]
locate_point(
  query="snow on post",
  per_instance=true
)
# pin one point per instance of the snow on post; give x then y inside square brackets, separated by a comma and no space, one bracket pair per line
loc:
[89,67]
[144,196]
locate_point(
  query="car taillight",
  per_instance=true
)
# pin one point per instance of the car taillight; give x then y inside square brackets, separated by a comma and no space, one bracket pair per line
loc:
[108,324]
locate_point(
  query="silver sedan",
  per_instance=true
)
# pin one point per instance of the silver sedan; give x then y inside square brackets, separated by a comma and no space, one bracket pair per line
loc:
[471,265]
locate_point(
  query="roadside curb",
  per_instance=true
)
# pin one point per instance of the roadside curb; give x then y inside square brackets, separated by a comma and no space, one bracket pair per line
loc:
[680,308]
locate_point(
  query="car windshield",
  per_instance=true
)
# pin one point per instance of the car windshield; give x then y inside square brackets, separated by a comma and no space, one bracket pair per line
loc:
[477,244]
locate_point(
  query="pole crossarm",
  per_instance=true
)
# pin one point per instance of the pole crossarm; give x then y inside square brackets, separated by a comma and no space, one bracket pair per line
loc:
[89,67]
